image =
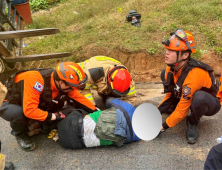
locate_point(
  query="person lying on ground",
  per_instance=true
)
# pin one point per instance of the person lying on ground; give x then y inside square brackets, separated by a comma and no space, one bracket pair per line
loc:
[112,126]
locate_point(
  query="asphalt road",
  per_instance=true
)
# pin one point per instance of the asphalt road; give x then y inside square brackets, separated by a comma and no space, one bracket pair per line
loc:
[168,151]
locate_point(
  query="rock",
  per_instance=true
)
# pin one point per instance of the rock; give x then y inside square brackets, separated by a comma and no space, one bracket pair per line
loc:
[217,71]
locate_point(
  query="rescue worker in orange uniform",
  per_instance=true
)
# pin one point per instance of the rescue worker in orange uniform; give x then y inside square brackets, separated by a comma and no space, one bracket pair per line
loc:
[38,94]
[109,78]
[219,94]
[188,84]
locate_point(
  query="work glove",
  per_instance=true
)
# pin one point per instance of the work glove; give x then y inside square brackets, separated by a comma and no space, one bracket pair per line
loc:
[64,112]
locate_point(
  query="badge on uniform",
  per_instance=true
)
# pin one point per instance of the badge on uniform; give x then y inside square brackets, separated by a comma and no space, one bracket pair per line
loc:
[38,86]
[186,91]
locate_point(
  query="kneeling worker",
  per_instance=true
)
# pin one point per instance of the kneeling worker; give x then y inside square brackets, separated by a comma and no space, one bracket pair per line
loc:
[110,79]
[39,94]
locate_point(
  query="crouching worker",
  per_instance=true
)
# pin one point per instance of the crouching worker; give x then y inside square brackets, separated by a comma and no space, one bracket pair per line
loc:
[38,94]
[189,84]
[109,78]
[112,126]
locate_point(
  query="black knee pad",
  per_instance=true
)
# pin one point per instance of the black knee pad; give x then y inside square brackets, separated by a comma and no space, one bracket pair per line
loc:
[69,131]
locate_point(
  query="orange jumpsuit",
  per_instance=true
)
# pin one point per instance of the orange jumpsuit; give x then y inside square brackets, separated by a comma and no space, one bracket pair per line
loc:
[219,94]
[33,88]
[196,79]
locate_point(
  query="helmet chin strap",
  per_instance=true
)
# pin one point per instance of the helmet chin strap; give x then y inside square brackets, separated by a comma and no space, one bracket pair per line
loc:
[58,87]
[177,62]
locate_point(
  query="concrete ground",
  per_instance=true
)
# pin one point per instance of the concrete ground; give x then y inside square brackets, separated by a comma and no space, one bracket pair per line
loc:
[168,151]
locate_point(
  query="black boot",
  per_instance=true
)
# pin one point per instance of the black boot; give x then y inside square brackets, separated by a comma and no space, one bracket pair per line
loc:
[13,132]
[25,141]
[192,133]
[9,166]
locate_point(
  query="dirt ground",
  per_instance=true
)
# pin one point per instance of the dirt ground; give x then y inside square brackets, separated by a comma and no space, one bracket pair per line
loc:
[143,66]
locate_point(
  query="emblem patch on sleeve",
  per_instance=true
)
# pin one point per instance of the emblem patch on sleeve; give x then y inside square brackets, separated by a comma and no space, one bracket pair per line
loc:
[38,86]
[186,91]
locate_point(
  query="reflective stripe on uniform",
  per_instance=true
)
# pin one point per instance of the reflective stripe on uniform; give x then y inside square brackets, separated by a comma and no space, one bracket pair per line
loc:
[89,96]
[80,64]
[95,86]
[88,86]
[103,58]
[132,91]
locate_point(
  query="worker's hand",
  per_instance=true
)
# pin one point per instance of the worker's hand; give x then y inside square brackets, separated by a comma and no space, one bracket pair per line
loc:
[162,129]
[63,113]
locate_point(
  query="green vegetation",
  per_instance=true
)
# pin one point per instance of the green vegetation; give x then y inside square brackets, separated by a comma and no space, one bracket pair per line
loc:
[101,23]
[43,4]
[38,4]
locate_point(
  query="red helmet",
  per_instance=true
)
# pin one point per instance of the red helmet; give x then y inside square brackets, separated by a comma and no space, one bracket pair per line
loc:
[180,40]
[72,74]
[119,80]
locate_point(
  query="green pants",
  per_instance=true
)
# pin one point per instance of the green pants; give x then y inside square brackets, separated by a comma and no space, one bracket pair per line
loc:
[105,127]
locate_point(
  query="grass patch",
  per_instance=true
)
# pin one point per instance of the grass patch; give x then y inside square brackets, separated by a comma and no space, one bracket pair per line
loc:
[102,23]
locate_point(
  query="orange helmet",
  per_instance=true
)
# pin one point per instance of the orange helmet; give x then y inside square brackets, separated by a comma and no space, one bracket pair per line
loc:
[119,80]
[180,40]
[72,74]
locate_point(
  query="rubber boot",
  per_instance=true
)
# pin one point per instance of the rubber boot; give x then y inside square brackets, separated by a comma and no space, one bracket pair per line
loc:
[25,141]
[192,133]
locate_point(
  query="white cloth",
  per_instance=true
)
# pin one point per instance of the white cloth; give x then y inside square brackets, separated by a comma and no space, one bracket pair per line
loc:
[89,137]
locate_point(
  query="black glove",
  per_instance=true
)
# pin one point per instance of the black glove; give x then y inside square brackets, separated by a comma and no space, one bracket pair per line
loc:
[64,112]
